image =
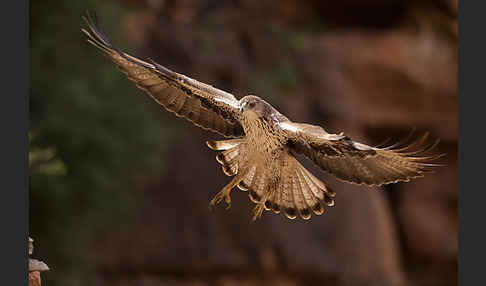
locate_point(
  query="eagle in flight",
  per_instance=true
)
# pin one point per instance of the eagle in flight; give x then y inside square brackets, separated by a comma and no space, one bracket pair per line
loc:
[262,143]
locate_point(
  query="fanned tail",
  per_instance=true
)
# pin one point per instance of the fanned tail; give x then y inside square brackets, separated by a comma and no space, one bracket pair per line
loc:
[295,191]
[300,192]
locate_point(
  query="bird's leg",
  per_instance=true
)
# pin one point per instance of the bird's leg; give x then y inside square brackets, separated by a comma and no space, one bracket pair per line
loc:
[225,193]
[258,209]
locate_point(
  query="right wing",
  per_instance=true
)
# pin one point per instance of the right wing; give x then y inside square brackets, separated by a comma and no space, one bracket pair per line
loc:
[203,105]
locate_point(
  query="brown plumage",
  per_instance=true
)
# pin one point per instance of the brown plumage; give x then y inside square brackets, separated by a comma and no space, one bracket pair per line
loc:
[260,153]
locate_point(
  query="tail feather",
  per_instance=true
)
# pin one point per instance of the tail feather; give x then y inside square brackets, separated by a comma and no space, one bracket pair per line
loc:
[311,200]
[247,180]
[273,202]
[300,197]
[288,203]
[310,187]
[268,202]
[276,201]
[257,188]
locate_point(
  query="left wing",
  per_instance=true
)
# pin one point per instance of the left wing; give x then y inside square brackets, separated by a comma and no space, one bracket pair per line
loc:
[359,163]
[203,105]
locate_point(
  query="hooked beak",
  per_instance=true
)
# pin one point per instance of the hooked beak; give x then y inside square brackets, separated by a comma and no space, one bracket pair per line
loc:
[242,108]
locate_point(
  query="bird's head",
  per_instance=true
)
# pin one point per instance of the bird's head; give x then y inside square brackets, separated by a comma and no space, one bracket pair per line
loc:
[253,105]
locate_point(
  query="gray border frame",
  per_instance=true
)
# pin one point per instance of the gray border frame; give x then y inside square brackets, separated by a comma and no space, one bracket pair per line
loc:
[471,206]
[15,143]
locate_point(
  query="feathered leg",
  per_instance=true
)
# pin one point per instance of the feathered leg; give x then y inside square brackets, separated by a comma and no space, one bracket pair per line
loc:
[263,204]
[225,193]
[232,164]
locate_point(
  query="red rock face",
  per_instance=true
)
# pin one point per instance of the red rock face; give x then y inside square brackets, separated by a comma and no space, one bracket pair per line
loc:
[392,69]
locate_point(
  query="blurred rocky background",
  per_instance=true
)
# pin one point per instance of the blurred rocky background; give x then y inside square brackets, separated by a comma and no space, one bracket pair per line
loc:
[130,208]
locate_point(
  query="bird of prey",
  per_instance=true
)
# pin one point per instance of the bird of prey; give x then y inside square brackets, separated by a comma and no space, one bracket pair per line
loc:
[262,143]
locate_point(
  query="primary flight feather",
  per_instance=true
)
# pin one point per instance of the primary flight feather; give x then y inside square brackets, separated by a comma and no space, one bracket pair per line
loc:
[260,153]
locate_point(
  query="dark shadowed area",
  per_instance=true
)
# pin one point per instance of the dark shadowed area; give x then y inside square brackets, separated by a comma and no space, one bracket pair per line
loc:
[120,188]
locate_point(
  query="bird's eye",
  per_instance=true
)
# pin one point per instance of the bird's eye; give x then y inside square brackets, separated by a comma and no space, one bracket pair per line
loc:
[251,104]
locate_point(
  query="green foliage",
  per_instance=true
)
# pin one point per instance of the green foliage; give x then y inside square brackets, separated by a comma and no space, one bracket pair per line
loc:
[94,133]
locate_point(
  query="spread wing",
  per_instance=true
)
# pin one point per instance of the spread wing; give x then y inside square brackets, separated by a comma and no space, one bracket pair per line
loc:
[359,163]
[201,104]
